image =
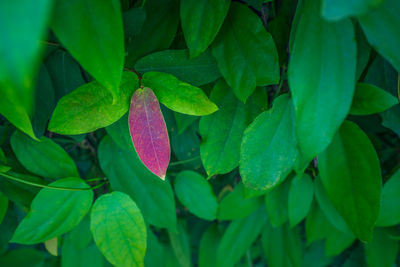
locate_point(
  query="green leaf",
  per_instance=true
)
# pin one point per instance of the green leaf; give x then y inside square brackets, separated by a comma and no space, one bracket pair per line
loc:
[245,52]
[369,99]
[336,241]
[7,228]
[133,20]
[276,203]
[3,206]
[382,250]
[54,212]
[351,175]
[340,9]
[208,246]
[180,244]
[23,257]
[321,100]
[239,236]
[282,246]
[127,174]
[44,158]
[220,146]
[92,32]
[300,198]
[177,95]
[158,31]
[196,194]
[20,52]
[390,203]
[201,21]
[269,147]
[235,206]
[155,251]
[197,71]
[382,29]
[118,229]
[91,107]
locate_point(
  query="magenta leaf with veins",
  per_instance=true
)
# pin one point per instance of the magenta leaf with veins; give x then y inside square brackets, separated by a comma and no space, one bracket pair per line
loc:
[149,132]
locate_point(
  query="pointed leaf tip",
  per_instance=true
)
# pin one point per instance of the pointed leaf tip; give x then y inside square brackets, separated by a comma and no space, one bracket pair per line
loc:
[149,132]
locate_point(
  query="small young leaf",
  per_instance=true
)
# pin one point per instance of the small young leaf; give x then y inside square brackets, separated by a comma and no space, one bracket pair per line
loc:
[196,194]
[369,99]
[177,95]
[91,107]
[300,198]
[119,230]
[44,157]
[149,132]
[54,212]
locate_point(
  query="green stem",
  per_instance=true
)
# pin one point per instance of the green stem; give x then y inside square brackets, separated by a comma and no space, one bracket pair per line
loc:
[95,180]
[183,161]
[48,186]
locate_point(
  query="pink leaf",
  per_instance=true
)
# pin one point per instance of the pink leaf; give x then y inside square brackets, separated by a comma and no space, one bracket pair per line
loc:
[149,132]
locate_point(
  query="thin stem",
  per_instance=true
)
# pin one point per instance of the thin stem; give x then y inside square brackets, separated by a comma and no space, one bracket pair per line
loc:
[48,186]
[184,161]
[95,180]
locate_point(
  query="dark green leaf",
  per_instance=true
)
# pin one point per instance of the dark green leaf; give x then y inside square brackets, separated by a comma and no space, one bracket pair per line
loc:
[201,21]
[3,206]
[133,21]
[197,71]
[177,95]
[180,245]
[92,32]
[54,212]
[276,202]
[44,157]
[23,257]
[118,229]
[245,52]
[382,250]
[339,9]
[91,107]
[321,100]
[300,198]
[390,204]
[209,246]
[351,175]
[196,194]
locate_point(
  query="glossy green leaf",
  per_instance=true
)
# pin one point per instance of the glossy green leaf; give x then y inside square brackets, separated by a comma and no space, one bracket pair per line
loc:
[54,212]
[239,236]
[197,71]
[201,21]
[127,174]
[300,198]
[276,203]
[3,206]
[23,257]
[282,246]
[196,194]
[322,100]
[245,52]
[351,175]
[92,32]
[91,107]
[208,246]
[369,99]
[382,29]
[390,204]
[235,206]
[44,157]
[19,58]
[269,148]
[220,146]
[382,251]
[340,9]
[118,229]
[177,95]
[180,245]
[158,30]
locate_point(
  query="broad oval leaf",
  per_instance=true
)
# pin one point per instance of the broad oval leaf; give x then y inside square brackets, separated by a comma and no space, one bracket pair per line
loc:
[351,175]
[390,204]
[44,157]
[369,99]
[54,212]
[91,107]
[149,132]
[382,29]
[201,21]
[118,229]
[322,100]
[197,71]
[269,148]
[92,32]
[177,95]
[340,9]
[245,52]
[196,194]
[300,198]
[127,174]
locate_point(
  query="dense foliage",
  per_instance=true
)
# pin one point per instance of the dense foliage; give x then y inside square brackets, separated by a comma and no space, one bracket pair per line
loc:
[199,133]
